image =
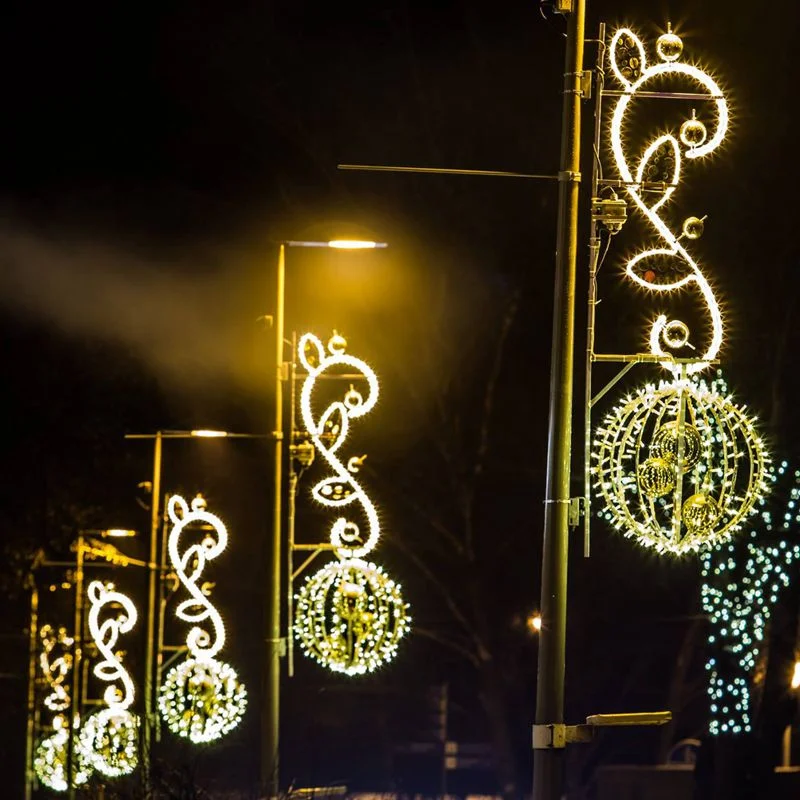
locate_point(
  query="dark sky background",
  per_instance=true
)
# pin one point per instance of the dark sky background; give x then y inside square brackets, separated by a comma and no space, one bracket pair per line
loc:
[152,155]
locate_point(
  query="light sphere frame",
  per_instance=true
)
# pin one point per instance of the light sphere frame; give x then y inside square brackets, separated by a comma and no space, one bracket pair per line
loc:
[351,616]
[679,493]
[202,699]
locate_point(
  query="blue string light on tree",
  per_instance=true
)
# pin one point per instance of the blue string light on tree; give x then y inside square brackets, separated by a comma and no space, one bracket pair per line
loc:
[742,581]
[350,614]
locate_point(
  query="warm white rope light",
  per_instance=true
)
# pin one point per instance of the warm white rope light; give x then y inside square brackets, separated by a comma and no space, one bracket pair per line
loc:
[110,737]
[334,422]
[350,615]
[202,698]
[692,142]
[51,754]
[679,466]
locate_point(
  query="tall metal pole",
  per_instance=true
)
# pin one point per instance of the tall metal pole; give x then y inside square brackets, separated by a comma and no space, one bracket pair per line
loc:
[548,766]
[33,641]
[270,723]
[77,655]
[152,579]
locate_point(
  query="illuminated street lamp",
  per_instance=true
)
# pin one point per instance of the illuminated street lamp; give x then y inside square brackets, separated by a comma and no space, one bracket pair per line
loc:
[276,645]
[158,437]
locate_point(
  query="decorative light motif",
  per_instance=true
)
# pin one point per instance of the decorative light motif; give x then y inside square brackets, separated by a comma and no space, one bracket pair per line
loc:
[350,615]
[110,737]
[741,584]
[52,755]
[55,670]
[669,267]
[673,491]
[201,699]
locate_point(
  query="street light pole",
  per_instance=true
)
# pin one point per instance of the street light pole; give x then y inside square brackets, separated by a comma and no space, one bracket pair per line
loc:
[548,778]
[270,723]
[152,580]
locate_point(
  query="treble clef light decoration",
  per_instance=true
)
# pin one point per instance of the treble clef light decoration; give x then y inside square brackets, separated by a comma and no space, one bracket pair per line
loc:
[670,267]
[51,755]
[110,737]
[678,465]
[202,698]
[350,615]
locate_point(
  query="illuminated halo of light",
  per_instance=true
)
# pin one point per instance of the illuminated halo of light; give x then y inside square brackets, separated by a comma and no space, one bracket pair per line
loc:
[202,700]
[649,209]
[350,617]
[328,432]
[110,740]
[727,476]
[51,756]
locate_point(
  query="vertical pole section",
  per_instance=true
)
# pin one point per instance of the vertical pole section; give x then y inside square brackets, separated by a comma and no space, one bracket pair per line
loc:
[270,724]
[33,646]
[548,779]
[77,653]
[152,579]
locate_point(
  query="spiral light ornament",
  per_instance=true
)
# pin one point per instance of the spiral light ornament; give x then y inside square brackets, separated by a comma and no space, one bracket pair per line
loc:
[202,698]
[679,466]
[349,615]
[110,737]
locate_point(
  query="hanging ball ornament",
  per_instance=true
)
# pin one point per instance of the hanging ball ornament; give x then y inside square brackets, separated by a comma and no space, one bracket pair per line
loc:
[693,227]
[110,739]
[637,475]
[693,132]
[666,444]
[51,756]
[350,617]
[202,699]
[669,45]
[656,477]
[700,513]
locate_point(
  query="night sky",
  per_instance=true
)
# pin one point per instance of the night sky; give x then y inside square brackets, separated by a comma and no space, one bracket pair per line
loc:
[153,155]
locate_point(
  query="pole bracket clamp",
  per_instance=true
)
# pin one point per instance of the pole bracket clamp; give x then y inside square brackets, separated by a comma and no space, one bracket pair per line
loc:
[549,737]
[567,176]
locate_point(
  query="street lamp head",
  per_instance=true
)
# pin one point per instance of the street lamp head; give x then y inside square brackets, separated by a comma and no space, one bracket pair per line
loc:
[209,434]
[117,533]
[355,244]
[796,676]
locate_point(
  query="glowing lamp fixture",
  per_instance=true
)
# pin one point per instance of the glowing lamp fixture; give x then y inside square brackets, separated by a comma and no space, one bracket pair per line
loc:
[535,622]
[202,698]
[208,434]
[796,676]
[350,614]
[340,244]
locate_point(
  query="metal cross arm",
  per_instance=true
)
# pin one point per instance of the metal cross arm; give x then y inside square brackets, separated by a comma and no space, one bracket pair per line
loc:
[559,735]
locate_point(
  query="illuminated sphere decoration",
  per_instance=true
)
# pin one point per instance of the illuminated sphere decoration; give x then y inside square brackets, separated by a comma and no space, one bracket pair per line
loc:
[669,46]
[350,617]
[678,493]
[51,756]
[202,699]
[110,740]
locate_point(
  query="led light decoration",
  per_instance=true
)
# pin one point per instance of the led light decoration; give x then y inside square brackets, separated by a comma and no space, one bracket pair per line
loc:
[51,754]
[350,615]
[679,466]
[201,699]
[110,737]
[670,266]
[741,584]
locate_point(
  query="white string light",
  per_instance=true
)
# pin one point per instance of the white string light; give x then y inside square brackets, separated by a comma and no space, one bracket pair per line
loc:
[350,615]
[110,737]
[679,466]
[741,584]
[692,142]
[201,699]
